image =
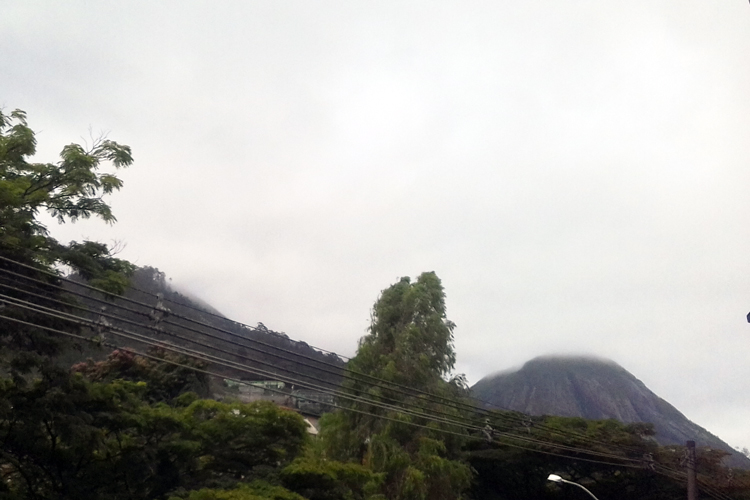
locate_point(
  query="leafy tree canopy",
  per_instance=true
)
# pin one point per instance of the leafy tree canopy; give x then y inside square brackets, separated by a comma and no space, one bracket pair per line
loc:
[71,438]
[318,479]
[165,381]
[411,344]
[256,490]
[509,472]
[69,190]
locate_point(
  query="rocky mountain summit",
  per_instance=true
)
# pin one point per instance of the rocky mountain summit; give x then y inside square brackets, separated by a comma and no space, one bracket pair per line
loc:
[594,388]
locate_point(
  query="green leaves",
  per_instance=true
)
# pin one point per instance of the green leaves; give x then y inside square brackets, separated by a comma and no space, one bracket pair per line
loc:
[66,437]
[238,437]
[119,155]
[411,344]
[410,328]
[162,382]
[125,428]
[257,490]
[109,183]
[16,140]
[69,190]
[317,479]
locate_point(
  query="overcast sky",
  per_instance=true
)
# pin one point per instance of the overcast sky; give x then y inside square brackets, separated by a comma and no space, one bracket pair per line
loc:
[575,172]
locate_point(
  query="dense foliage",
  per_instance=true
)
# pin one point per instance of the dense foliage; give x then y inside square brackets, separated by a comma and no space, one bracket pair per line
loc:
[508,471]
[69,190]
[79,439]
[411,344]
[166,381]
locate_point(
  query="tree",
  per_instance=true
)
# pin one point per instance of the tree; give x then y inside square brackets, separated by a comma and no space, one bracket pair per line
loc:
[509,472]
[165,380]
[69,190]
[69,438]
[315,477]
[125,428]
[257,490]
[411,344]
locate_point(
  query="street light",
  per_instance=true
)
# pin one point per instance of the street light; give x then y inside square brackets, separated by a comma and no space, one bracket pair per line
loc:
[557,479]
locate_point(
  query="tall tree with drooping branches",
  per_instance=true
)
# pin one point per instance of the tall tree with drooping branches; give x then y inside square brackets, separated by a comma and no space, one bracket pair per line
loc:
[410,349]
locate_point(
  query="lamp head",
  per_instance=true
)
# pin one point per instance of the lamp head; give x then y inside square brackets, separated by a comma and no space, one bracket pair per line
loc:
[555,478]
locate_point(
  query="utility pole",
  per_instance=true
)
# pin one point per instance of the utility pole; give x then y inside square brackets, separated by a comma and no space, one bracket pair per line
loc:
[691,490]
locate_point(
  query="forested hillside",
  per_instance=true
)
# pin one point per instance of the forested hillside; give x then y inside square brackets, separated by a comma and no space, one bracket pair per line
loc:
[151,307]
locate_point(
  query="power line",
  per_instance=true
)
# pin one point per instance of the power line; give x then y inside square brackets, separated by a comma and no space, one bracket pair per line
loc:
[348,409]
[224,318]
[456,405]
[378,382]
[161,331]
[191,352]
[453,404]
[705,486]
[148,306]
[243,325]
[665,470]
[209,358]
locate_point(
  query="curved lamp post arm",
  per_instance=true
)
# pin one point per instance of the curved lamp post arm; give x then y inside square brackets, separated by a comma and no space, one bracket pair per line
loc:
[582,487]
[558,479]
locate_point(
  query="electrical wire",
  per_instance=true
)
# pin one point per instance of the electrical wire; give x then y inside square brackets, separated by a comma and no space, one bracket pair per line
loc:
[266,373]
[208,358]
[510,421]
[516,437]
[209,346]
[229,320]
[456,405]
[201,355]
[348,409]
[706,487]
[160,331]
[665,470]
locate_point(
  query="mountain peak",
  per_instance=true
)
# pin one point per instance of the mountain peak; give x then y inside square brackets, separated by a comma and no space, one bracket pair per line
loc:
[593,388]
